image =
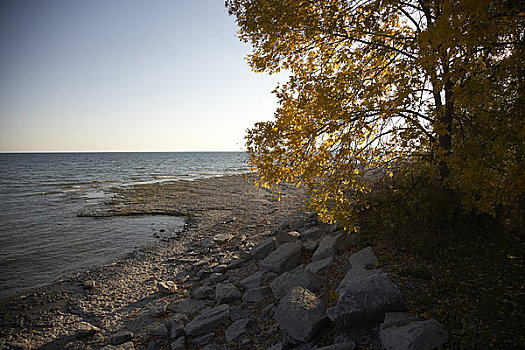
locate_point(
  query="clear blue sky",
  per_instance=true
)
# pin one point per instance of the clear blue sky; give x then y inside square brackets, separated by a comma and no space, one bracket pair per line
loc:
[126,75]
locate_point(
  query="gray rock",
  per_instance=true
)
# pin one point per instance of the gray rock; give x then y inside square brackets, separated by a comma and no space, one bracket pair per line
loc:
[187,306]
[236,330]
[300,314]
[261,250]
[364,259]
[255,295]
[85,330]
[418,335]
[288,237]
[155,345]
[311,233]
[203,340]
[203,292]
[179,344]
[257,279]
[160,331]
[299,277]
[360,263]
[366,299]
[284,258]
[120,337]
[222,238]
[226,293]
[329,246]
[166,287]
[235,263]
[393,319]
[220,268]
[176,327]
[341,346]
[208,320]
[216,277]
[320,266]
[158,311]
[310,246]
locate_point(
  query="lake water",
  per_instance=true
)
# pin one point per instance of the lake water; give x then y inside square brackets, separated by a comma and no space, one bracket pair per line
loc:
[41,237]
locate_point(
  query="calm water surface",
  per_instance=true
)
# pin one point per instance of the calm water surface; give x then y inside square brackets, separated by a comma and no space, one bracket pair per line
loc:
[41,237]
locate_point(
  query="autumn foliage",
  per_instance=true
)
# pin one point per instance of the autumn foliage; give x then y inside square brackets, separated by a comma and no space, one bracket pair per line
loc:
[382,87]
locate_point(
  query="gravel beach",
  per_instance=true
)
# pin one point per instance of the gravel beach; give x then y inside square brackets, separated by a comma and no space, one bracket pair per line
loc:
[122,293]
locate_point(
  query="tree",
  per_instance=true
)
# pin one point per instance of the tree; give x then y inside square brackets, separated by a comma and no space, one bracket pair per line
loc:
[379,83]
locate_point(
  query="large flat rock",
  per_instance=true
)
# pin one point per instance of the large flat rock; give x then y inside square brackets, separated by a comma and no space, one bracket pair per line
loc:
[226,293]
[301,314]
[299,277]
[208,320]
[258,279]
[261,250]
[366,299]
[284,258]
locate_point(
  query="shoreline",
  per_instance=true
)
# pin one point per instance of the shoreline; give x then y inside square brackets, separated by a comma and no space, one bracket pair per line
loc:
[46,316]
[248,271]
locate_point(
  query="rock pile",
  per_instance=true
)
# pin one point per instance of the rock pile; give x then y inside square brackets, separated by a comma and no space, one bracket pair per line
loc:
[278,294]
[297,287]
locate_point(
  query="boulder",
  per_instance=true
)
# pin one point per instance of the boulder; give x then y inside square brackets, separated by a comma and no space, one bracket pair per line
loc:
[120,337]
[166,287]
[222,238]
[179,344]
[176,326]
[366,299]
[257,279]
[288,237]
[226,293]
[215,277]
[320,266]
[300,314]
[329,246]
[208,320]
[299,277]
[187,306]
[261,250]
[236,330]
[203,340]
[203,292]
[158,311]
[364,259]
[360,263]
[311,233]
[160,331]
[310,246]
[284,258]
[255,295]
[418,335]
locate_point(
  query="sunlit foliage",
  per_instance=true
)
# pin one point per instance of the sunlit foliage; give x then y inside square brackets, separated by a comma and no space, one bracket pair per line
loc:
[381,86]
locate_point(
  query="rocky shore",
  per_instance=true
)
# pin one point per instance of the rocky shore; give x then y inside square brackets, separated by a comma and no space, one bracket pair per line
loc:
[250,271]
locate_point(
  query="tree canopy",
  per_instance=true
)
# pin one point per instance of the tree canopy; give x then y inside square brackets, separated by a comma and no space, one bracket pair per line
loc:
[376,85]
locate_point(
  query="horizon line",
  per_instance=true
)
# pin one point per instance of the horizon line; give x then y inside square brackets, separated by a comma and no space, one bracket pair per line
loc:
[115,151]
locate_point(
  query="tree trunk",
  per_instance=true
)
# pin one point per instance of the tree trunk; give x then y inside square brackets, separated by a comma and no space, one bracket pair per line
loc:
[445,137]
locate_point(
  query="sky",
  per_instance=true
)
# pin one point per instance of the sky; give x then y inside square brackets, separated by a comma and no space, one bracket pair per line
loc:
[126,75]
